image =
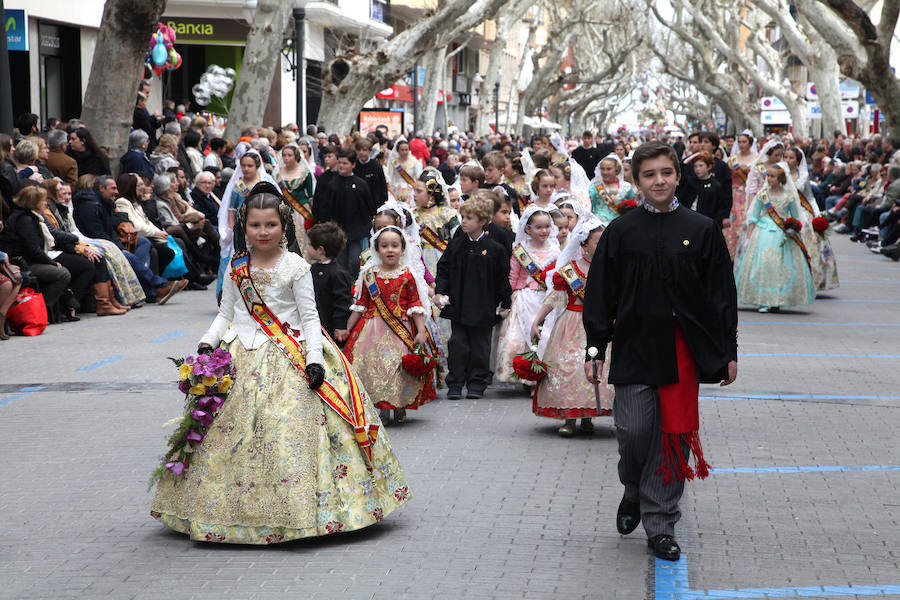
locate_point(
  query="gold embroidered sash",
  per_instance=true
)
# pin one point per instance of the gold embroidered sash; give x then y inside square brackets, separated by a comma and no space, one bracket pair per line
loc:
[605,195]
[805,203]
[773,214]
[389,317]
[430,235]
[296,205]
[573,278]
[404,175]
[352,412]
[529,264]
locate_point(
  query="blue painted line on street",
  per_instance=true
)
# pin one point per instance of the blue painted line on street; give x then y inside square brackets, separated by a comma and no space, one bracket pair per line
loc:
[101,363]
[813,355]
[169,336]
[778,323]
[809,469]
[22,393]
[794,397]
[672,584]
[878,281]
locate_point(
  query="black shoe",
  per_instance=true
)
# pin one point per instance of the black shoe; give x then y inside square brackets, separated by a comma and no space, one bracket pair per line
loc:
[474,394]
[664,546]
[454,393]
[205,279]
[892,251]
[628,517]
[194,286]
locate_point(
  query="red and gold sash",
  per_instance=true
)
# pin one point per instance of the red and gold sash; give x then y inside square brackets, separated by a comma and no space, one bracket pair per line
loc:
[522,201]
[574,278]
[404,175]
[738,170]
[296,204]
[805,203]
[352,412]
[773,214]
[393,320]
[430,235]
[529,264]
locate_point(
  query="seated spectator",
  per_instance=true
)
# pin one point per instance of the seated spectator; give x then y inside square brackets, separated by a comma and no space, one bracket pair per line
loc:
[122,278]
[135,159]
[203,198]
[186,224]
[191,141]
[25,237]
[165,154]
[61,164]
[129,205]
[90,157]
[43,153]
[24,156]
[10,284]
[216,150]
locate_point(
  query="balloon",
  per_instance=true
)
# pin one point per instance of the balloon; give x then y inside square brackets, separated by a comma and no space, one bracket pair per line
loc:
[158,69]
[171,33]
[176,64]
[159,55]
[230,72]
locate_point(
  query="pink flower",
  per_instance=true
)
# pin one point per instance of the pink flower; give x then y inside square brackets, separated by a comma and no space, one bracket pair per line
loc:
[190,359]
[204,417]
[176,467]
[184,386]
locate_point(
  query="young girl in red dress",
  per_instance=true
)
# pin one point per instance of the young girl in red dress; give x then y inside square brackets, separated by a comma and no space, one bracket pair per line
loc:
[388,322]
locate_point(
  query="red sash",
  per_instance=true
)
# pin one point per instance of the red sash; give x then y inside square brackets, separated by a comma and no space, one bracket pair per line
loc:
[296,205]
[430,236]
[392,320]
[404,175]
[773,214]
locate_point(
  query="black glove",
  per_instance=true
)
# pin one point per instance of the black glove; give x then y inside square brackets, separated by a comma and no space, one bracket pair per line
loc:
[204,349]
[316,375]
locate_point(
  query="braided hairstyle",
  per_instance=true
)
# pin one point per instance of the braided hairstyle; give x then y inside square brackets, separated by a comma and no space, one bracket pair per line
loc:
[433,187]
[536,180]
[264,196]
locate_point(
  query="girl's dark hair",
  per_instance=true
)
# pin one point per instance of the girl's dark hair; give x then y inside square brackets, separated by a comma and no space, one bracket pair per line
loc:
[388,212]
[265,200]
[85,136]
[192,139]
[127,184]
[774,147]
[536,213]
[402,240]
[256,159]
[798,154]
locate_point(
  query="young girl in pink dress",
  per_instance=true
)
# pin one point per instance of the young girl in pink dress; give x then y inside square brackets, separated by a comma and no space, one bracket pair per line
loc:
[534,251]
[564,393]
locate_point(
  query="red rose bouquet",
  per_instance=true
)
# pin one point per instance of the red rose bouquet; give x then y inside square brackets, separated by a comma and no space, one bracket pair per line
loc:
[794,224]
[820,225]
[527,366]
[419,363]
[626,205]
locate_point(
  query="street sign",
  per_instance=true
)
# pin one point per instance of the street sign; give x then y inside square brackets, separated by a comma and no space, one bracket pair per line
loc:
[850,89]
[849,109]
[771,103]
[869,98]
[15,22]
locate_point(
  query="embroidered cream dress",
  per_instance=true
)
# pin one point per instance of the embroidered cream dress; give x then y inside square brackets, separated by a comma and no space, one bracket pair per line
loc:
[277,463]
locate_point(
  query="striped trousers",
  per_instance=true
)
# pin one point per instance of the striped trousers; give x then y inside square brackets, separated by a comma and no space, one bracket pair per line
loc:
[639,432]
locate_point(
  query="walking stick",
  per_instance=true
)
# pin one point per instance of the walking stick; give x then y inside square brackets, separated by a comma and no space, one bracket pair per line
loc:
[592,352]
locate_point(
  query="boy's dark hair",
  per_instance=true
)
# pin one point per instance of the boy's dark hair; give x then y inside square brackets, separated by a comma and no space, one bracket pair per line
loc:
[694,134]
[542,159]
[348,154]
[711,136]
[330,236]
[494,159]
[330,150]
[500,200]
[649,151]
[216,144]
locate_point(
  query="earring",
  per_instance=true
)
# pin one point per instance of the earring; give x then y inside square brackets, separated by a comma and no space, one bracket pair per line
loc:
[284,240]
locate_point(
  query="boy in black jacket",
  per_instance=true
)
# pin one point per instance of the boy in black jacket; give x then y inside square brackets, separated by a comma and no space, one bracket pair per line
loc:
[704,192]
[330,280]
[472,281]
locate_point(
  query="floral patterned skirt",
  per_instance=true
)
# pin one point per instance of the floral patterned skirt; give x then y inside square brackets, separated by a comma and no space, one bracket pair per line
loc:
[376,353]
[278,464]
[564,393]
[773,271]
[738,230]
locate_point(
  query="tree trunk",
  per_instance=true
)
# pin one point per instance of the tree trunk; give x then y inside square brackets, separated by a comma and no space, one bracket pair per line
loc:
[434,77]
[485,108]
[261,58]
[116,69]
[825,76]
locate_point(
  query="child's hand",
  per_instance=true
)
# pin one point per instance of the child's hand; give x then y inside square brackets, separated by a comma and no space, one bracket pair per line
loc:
[440,300]
[503,312]
[421,338]
[341,335]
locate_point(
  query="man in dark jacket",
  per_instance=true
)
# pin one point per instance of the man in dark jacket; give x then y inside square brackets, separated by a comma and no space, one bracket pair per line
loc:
[135,159]
[661,289]
[587,154]
[143,120]
[370,171]
[348,202]
[95,216]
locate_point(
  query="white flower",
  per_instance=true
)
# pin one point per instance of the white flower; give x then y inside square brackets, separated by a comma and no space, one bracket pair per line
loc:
[534,348]
[175,421]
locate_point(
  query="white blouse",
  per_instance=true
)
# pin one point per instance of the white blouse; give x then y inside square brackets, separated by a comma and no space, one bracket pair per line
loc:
[288,292]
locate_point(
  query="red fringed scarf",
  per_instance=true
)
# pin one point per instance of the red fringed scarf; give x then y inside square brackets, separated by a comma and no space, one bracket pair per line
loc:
[681,418]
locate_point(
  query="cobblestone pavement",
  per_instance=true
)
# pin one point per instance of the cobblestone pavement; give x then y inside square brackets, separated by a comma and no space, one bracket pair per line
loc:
[804,502]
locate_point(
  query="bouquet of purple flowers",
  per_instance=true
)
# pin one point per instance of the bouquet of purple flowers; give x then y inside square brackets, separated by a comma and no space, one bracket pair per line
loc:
[204,380]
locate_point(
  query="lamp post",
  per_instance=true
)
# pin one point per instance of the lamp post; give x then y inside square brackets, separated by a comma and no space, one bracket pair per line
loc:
[299,18]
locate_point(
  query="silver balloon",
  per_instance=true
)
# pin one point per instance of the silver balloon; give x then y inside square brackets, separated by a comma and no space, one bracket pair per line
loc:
[231,73]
